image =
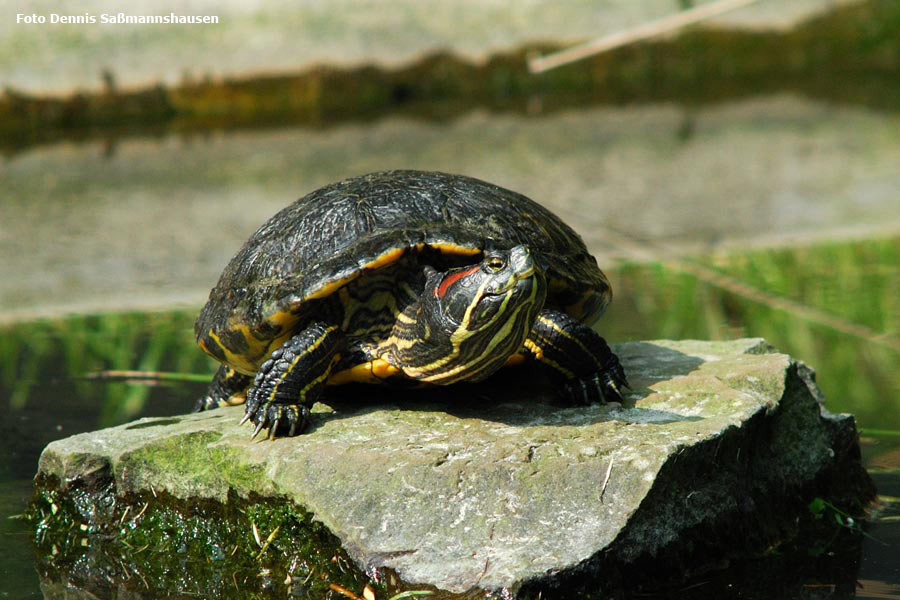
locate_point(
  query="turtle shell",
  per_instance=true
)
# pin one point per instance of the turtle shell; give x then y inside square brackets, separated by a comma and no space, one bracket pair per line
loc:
[340,232]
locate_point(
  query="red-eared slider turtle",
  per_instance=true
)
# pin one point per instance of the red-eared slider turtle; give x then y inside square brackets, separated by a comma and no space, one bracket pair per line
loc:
[399,275]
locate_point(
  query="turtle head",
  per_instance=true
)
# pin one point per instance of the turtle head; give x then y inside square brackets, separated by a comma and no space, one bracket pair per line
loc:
[470,320]
[478,296]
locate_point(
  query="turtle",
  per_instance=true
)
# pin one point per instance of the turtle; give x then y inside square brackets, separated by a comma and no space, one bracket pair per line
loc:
[403,276]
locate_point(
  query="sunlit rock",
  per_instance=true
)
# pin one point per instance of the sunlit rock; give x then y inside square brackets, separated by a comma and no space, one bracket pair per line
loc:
[719,452]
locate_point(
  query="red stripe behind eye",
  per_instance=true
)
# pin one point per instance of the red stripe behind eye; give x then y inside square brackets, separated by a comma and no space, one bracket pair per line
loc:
[448,281]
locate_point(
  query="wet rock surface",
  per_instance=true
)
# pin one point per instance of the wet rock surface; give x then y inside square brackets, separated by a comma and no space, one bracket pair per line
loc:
[495,486]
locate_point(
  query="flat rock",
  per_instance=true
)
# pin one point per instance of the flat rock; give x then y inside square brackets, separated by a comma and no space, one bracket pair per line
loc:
[455,490]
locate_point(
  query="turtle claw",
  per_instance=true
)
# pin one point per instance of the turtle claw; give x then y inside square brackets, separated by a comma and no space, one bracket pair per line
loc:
[610,390]
[257,430]
[603,386]
[617,373]
[289,419]
[613,378]
[581,392]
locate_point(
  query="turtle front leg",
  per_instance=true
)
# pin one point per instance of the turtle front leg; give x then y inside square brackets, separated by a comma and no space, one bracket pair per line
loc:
[227,388]
[290,381]
[574,355]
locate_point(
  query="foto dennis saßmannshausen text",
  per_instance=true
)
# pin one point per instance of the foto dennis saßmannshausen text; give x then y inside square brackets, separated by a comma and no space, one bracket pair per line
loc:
[86,18]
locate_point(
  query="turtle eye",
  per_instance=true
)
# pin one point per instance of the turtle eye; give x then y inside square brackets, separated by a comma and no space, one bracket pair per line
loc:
[495,263]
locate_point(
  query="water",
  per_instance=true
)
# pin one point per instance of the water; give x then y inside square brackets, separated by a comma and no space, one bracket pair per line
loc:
[773,217]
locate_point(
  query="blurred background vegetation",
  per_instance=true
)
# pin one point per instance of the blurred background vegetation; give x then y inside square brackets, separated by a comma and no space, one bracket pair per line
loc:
[740,178]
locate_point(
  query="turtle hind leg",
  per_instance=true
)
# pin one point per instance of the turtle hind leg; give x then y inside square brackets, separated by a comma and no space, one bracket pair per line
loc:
[290,381]
[227,388]
[576,357]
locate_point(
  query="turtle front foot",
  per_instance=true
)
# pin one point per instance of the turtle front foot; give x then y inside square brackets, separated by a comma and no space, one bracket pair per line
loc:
[277,418]
[272,400]
[576,357]
[603,386]
[290,382]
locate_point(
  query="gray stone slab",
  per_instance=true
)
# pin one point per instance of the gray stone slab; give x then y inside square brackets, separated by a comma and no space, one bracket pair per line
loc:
[462,492]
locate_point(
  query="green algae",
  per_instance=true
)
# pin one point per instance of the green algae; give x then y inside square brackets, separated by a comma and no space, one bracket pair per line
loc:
[174,459]
[244,547]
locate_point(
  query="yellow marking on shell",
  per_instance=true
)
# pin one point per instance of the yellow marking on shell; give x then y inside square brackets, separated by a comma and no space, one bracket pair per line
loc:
[374,371]
[329,288]
[282,318]
[448,248]
[257,350]
[238,362]
[285,321]
[383,369]
[384,259]
[256,346]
